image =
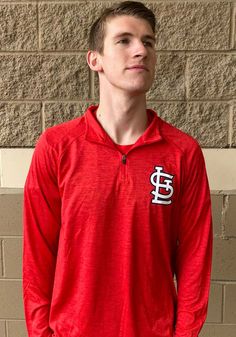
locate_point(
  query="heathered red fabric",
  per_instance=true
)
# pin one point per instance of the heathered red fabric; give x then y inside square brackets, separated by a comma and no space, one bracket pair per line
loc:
[105,233]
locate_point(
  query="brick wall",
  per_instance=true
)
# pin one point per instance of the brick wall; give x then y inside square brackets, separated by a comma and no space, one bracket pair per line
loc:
[44,80]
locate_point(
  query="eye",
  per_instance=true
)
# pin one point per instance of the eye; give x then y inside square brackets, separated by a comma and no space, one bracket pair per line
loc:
[148,43]
[123,41]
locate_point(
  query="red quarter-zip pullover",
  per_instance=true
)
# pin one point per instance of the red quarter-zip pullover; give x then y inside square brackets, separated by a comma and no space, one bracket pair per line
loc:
[105,232]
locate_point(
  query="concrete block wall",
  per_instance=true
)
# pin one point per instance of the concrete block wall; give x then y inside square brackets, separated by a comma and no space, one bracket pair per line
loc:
[44,80]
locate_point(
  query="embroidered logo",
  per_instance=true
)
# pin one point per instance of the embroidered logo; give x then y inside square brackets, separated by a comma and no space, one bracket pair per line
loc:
[162,182]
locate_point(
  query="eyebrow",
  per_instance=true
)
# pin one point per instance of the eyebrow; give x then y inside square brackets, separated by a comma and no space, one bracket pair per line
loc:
[149,37]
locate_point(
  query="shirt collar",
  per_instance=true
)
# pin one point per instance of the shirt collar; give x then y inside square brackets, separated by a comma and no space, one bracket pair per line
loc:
[96,133]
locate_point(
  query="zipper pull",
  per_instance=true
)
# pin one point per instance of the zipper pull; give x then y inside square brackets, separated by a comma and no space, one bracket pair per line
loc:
[124,159]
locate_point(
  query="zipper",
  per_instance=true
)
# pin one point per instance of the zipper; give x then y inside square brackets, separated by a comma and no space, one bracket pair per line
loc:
[123,167]
[124,156]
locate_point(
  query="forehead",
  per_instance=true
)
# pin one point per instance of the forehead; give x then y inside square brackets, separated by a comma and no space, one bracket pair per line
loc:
[127,23]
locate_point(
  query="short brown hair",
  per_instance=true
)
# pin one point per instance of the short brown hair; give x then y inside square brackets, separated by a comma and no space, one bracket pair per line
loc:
[132,8]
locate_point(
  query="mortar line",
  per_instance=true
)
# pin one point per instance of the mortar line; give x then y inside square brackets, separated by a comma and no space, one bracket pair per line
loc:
[1,171]
[1,252]
[37,24]
[225,207]
[43,116]
[11,237]
[6,328]
[223,304]
[151,2]
[232,25]
[186,79]
[28,101]
[46,52]
[223,282]
[69,52]
[11,279]
[191,100]
[12,320]
[3,260]
[20,3]
[220,324]
[230,134]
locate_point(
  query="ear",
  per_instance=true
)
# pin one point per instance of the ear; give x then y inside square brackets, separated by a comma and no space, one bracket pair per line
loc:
[93,60]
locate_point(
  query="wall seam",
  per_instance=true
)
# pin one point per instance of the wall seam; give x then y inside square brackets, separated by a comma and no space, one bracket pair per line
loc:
[43,116]
[38,27]
[223,307]
[223,282]
[12,320]
[230,134]
[69,52]
[186,80]
[11,279]
[222,304]
[202,100]
[3,260]
[1,171]
[103,1]
[7,332]
[11,237]
[1,254]
[225,208]
[232,26]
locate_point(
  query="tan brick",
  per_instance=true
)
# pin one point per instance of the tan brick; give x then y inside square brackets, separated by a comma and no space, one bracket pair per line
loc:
[219,330]
[230,228]
[224,259]
[16,329]
[211,76]
[169,81]
[44,77]
[215,304]
[18,27]
[13,257]
[66,26]
[192,25]
[11,214]
[11,300]
[20,124]
[207,122]
[169,110]
[230,304]
[2,329]
[217,204]
[60,112]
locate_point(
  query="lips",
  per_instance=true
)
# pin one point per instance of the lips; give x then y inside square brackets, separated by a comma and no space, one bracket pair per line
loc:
[138,66]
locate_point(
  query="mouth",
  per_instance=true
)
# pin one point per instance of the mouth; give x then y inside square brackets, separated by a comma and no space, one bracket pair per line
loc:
[138,68]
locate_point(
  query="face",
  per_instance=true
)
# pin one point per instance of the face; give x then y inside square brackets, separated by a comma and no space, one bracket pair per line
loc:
[128,59]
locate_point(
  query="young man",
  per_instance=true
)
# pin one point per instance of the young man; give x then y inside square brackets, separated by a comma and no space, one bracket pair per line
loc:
[116,203]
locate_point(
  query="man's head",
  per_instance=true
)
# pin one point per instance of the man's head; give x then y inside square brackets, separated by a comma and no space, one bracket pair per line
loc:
[130,8]
[122,49]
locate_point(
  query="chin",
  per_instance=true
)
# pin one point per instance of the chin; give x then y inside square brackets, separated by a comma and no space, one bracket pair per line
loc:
[139,90]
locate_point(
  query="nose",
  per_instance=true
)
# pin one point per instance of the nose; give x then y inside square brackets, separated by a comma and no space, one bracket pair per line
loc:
[140,50]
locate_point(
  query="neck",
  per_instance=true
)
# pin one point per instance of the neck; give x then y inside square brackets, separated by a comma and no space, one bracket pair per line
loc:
[123,117]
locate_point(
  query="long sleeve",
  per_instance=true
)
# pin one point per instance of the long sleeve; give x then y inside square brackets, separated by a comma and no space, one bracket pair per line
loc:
[41,232]
[194,253]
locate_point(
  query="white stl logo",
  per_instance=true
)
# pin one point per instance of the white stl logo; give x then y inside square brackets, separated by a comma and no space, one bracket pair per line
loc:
[162,181]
